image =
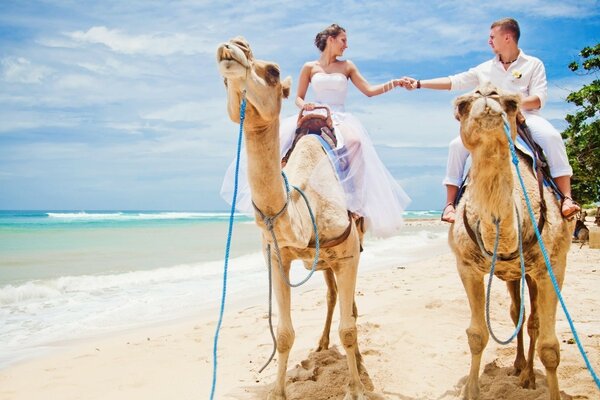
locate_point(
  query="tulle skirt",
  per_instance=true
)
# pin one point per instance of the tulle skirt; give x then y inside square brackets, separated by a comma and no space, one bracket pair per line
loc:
[370,189]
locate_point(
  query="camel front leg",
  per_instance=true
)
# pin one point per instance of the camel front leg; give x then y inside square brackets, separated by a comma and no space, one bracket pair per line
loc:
[515,306]
[331,300]
[285,330]
[477,332]
[346,279]
[548,347]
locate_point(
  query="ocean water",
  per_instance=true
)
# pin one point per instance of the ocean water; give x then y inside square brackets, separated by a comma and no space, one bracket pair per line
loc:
[70,275]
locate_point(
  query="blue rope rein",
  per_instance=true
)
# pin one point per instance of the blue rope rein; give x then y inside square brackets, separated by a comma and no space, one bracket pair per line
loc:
[269,221]
[515,161]
[489,289]
[228,245]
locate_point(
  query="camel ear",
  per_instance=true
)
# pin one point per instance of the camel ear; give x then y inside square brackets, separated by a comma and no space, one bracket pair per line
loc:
[461,107]
[286,85]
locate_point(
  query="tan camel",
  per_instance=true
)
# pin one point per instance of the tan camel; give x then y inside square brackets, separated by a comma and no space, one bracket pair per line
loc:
[494,193]
[294,229]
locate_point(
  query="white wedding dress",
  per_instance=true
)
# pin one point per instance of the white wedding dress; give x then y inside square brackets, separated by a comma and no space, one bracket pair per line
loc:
[371,190]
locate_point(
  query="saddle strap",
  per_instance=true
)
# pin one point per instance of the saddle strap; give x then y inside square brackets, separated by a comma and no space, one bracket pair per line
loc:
[532,239]
[338,240]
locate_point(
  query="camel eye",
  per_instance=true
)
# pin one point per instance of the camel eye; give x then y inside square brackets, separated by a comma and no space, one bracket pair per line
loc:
[462,108]
[273,71]
[510,105]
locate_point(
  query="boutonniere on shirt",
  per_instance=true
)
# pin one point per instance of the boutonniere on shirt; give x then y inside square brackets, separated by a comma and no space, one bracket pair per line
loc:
[517,74]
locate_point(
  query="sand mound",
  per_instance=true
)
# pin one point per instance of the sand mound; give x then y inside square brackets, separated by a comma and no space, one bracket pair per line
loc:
[499,383]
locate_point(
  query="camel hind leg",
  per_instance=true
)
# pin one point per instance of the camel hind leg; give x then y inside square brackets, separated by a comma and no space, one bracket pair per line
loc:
[527,377]
[346,279]
[331,300]
[515,307]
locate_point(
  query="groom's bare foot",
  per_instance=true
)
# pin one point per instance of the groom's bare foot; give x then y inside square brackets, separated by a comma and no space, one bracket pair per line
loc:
[449,213]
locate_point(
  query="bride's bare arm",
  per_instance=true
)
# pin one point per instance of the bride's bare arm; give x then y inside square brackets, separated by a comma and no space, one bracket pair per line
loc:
[303,82]
[365,87]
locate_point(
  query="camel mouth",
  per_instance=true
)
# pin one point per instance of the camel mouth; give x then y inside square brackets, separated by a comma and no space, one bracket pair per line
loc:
[231,59]
[486,107]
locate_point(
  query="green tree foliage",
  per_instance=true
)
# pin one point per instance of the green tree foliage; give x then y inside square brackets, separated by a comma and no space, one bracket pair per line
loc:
[583,133]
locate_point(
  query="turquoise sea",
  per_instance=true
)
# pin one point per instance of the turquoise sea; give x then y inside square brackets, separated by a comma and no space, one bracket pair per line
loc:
[66,275]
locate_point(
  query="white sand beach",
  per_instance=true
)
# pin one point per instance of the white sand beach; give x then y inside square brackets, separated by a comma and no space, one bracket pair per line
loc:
[412,321]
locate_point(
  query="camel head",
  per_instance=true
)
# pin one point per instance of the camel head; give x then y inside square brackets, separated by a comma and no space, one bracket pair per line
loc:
[260,79]
[481,117]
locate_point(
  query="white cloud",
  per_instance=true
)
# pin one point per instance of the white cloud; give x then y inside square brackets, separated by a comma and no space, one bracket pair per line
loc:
[157,44]
[552,9]
[189,112]
[21,70]
[78,82]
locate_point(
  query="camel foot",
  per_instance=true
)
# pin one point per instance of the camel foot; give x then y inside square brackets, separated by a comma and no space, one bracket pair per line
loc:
[276,395]
[527,380]
[358,396]
[519,366]
[323,345]
[355,392]
[471,390]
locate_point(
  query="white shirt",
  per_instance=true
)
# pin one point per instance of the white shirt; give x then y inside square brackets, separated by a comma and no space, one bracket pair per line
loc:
[526,76]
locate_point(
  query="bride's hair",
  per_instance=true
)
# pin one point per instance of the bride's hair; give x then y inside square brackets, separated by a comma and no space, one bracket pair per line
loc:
[332,30]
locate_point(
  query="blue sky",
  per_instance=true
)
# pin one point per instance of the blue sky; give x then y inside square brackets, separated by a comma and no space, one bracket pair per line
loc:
[119,104]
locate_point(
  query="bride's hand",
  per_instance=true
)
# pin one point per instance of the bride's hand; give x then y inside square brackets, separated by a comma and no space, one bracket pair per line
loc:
[308,106]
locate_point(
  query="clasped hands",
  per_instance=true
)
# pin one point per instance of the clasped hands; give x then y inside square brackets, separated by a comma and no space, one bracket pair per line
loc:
[406,82]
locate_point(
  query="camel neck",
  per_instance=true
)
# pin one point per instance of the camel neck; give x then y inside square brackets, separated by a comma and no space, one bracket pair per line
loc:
[492,198]
[264,167]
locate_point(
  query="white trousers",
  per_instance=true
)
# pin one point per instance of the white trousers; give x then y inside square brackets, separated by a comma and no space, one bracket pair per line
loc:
[542,132]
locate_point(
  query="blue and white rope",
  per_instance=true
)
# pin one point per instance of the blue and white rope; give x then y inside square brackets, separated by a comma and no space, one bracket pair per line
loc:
[228,245]
[515,161]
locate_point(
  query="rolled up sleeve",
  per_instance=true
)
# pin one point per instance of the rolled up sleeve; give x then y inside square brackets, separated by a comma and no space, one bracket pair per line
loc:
[465,80]
[538,84]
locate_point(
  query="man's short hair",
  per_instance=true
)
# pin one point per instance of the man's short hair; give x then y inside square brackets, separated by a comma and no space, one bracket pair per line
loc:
[509,25]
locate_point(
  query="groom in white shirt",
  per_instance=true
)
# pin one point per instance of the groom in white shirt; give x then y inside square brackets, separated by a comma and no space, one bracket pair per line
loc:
[514,71]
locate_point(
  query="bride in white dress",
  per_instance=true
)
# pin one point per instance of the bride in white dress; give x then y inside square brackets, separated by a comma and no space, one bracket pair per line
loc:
[371,191]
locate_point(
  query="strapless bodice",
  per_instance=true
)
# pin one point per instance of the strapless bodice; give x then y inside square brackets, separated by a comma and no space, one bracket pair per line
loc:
[330,89]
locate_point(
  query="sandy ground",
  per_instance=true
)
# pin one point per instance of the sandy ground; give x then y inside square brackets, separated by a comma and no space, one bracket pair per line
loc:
[412,321]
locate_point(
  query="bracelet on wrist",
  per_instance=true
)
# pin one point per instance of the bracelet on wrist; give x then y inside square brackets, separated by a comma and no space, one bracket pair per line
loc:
[419,84]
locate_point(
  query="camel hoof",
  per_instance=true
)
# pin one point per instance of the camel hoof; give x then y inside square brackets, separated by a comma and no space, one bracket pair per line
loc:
[359,396]
[471,391]
[323,345]
[527,380]
[276,395]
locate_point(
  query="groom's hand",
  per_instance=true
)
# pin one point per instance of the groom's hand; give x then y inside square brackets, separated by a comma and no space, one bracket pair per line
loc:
[409,83]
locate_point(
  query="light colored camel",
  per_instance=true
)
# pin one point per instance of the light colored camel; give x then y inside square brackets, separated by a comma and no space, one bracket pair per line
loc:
[494,193]
[294,229]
